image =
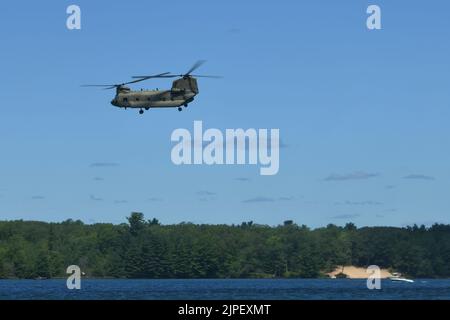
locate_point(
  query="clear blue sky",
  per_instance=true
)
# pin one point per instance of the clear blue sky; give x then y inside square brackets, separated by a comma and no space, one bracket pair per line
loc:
[363,115]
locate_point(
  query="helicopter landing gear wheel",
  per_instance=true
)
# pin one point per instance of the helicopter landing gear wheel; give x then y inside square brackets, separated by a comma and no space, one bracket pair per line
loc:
[141,111]
[180,109]
[185,105]
[147,109]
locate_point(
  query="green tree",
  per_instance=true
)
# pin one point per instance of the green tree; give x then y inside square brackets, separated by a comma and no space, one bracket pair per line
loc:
[137,222]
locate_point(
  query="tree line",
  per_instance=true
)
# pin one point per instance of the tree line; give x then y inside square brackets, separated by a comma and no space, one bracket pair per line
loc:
[146,249]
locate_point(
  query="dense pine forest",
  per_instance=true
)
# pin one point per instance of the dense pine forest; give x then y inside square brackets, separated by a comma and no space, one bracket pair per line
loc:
[147,249]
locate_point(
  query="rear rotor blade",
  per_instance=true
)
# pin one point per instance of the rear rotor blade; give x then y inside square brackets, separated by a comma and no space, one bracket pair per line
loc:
[186,75]
[195,67]
[182,76]
[97,85]
[203,76]
[161,75]
[165,75]
[112,86]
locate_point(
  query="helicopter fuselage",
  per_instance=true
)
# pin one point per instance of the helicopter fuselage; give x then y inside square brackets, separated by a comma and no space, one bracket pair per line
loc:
[145,99]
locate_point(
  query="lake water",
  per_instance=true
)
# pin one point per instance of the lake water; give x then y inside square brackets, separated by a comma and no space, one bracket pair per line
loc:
[290,289]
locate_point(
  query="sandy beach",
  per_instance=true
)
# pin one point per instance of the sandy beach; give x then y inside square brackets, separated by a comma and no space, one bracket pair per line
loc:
[353,272]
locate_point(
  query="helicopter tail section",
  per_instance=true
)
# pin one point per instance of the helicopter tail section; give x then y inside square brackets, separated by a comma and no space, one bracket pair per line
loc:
[186,83]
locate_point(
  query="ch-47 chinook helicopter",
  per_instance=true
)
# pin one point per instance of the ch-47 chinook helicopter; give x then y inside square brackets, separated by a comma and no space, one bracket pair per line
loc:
[181,94]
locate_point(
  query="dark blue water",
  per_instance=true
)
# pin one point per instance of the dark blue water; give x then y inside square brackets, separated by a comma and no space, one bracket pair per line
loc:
[291,289]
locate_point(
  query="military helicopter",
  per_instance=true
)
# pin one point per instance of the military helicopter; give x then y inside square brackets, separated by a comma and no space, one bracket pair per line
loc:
[181,94]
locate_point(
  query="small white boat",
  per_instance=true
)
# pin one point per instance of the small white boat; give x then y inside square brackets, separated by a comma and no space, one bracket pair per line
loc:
[398,277]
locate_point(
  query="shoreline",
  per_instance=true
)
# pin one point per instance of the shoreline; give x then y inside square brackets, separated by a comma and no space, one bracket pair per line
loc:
[213,279]
[353,272]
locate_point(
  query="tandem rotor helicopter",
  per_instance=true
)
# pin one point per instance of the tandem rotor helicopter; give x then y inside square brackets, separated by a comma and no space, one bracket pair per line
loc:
[181,94]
